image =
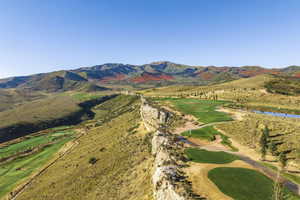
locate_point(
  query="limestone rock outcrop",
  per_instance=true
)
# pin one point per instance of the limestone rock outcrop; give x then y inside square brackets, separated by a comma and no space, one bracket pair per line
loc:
[153,117]
[169,182]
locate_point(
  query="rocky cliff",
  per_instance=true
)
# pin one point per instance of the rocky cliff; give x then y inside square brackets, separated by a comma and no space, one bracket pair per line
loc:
[153,118]
[169,182]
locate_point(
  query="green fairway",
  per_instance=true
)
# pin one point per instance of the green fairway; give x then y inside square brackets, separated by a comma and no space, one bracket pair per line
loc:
[245,184]
[203,156]
[23,146]
[32,143]
[13,172]
[203,110]
[241,183]
[207,133]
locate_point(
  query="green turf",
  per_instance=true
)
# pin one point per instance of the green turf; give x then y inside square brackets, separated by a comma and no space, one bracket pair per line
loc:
[207,133]
[203,110]
[13,172]
[241,183]
[245,184]
[24,145]
[31,143]
[203,156]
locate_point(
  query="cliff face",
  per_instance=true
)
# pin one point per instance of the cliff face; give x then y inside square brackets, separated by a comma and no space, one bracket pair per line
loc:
[153,118]
[168,180]
[166,170]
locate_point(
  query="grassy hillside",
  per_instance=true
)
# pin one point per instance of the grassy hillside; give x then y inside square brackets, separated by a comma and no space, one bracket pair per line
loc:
[121,167]
[284,85]
[284,132]
[155,74]
[55,110]
[246,93]
[9,98]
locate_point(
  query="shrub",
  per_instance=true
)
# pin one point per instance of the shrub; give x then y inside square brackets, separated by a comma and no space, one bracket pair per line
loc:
[93,160]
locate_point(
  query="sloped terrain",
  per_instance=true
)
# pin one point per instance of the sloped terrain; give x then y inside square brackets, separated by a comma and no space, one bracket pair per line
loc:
[20,159]
[106,154]
[250,93]
[138,76]
[110,161]
[54,110]
[9,98]
[52,82]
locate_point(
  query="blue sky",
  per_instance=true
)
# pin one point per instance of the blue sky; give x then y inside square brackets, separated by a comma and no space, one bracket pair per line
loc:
[41,36]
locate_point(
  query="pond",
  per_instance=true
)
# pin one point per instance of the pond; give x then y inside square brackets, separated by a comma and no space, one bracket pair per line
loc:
[277,114]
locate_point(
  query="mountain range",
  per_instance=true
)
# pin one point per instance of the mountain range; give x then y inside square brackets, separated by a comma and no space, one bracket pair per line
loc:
[102,77]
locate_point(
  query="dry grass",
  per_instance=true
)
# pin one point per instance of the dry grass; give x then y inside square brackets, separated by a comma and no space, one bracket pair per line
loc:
[202,185]
[40,110]
[248,92]
[285,132]
[12,97]
[122,170]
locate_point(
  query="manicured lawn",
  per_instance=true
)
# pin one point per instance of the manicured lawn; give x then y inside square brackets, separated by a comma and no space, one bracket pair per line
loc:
[207,133]
[13,172]
[31,143]
[241,183]
[24,145]
[203,156]
[203,110]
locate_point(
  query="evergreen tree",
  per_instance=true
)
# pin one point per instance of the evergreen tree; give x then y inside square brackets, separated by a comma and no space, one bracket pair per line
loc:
[273,148]
[263,146]
[283,160]
[267,132]
[263,152]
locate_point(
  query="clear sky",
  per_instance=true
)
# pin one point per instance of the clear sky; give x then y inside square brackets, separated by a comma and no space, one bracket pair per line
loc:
[47,35]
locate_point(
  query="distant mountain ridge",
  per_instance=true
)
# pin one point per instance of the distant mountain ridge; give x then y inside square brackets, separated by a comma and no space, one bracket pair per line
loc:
[147,75]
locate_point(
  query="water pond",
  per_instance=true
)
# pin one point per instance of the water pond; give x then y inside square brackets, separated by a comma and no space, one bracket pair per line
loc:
[277,114]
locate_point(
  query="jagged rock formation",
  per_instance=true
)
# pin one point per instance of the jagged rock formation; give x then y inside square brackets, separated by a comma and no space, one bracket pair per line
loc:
[153,118]
[169,182]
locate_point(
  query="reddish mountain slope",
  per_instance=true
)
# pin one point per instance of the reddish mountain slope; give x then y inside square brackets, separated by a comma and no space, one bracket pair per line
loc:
[145,77]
